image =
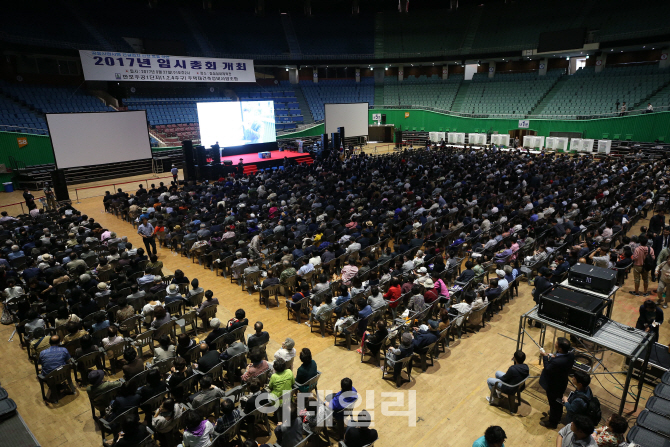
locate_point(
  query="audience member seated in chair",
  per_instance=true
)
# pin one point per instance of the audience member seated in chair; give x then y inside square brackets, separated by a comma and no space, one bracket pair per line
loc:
[184,344]
[132,432]
[238,321]
[360,434]
[155,385]
[53,357]
[198,431]
[514,375]
[180,372]
[208,358]
[217,331]
[165,350]
[342,400]
[286,352]
[229,416]
[578,432]
[307,370]
[134,365]
[165,419]
[395,355]
[259,337]
[207,392]
[97,386]
[257,366]
[289,431]
[126,399]
[281,381]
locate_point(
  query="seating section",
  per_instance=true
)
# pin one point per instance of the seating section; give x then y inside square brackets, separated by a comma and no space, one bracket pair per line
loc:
[588,93]
[117,20]
[47,99]
[470,29]
[336,91]
[507,94]
[244,36]
[16,118]
[423,33]
[422,91]
[41,22]
[334,35]
[287,109]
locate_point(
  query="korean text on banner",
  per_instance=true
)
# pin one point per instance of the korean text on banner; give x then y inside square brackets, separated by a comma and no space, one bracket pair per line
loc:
[118,66]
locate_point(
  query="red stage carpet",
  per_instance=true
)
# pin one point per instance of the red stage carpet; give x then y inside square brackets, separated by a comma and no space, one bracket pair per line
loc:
[253,158]
[253,163]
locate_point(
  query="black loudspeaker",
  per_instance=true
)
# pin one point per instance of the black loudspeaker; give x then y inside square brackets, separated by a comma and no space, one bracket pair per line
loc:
[200,155]
[335,138]
[340,130]
[598,279]
[189,164]
[383,118]
[60,185]
[398,138]
[579,311]
[324,141]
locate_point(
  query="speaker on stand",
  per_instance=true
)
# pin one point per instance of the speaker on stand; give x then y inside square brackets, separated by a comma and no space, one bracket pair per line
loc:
[189,164]
[340,130]
[59,185]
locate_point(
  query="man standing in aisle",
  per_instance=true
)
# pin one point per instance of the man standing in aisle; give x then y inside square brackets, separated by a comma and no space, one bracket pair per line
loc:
[146,230]
[554,379]
[174,171]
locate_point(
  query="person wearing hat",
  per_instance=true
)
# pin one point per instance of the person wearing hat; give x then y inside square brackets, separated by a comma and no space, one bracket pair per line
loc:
[217,330]
[173,293]
[97,387]
[287,353]
[502,282]
[103,290]
[395,355]
[423,337]
[175,172]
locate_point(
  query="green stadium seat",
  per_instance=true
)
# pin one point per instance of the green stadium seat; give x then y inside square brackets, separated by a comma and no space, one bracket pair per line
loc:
[629,136]
[606,136]
[617,136]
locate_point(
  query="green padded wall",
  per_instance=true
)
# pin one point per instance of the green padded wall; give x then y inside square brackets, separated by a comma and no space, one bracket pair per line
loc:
[311,132]
[647,127]
[37,152]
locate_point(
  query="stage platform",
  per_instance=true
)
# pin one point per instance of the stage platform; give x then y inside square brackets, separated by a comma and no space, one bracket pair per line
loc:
[252,163]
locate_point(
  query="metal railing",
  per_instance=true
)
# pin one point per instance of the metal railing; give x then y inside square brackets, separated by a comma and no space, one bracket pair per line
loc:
[521,116]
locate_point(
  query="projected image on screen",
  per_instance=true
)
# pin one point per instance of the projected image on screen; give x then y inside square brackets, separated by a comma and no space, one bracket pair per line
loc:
[236,123]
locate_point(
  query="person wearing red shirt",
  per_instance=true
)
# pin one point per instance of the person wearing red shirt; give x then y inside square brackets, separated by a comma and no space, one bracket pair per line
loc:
[392,295]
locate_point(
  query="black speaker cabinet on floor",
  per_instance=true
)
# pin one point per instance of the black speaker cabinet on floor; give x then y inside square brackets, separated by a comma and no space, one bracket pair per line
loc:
[398,138]
[340,130]
[324,142]
[335,137]
[59,184]
[383,118]
[189,164]
[200,155]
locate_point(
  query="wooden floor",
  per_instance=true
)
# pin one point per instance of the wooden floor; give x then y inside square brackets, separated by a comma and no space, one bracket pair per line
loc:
[447,403]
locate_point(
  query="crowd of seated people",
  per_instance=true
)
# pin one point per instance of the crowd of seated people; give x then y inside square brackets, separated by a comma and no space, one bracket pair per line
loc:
[400,223]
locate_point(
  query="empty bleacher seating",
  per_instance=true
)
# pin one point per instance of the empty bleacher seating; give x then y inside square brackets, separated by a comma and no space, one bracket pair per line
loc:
[336,91]
[422,91]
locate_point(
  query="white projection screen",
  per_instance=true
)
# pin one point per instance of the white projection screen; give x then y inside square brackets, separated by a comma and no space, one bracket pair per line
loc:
[86,139]
[234,123]
[353,117]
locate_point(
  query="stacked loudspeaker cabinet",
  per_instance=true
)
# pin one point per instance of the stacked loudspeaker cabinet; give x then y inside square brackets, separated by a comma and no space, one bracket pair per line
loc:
[340,130]
[335,137]
[501,139]
[324,142]
[60,185]
[189,163]
[456,138]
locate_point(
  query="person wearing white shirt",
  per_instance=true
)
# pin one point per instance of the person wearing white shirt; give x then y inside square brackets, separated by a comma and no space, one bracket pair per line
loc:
[650,108]
[305,269]
[577,433]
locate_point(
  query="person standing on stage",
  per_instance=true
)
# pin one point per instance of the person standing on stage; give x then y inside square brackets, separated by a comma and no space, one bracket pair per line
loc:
[554,379]
[240,167]
[146,230]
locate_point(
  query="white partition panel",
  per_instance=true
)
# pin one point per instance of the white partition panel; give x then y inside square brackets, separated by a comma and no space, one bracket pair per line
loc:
[456,138]
[587,145]
[604,146]
[436,137]
[500,139]
[576,144]
[477,138]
